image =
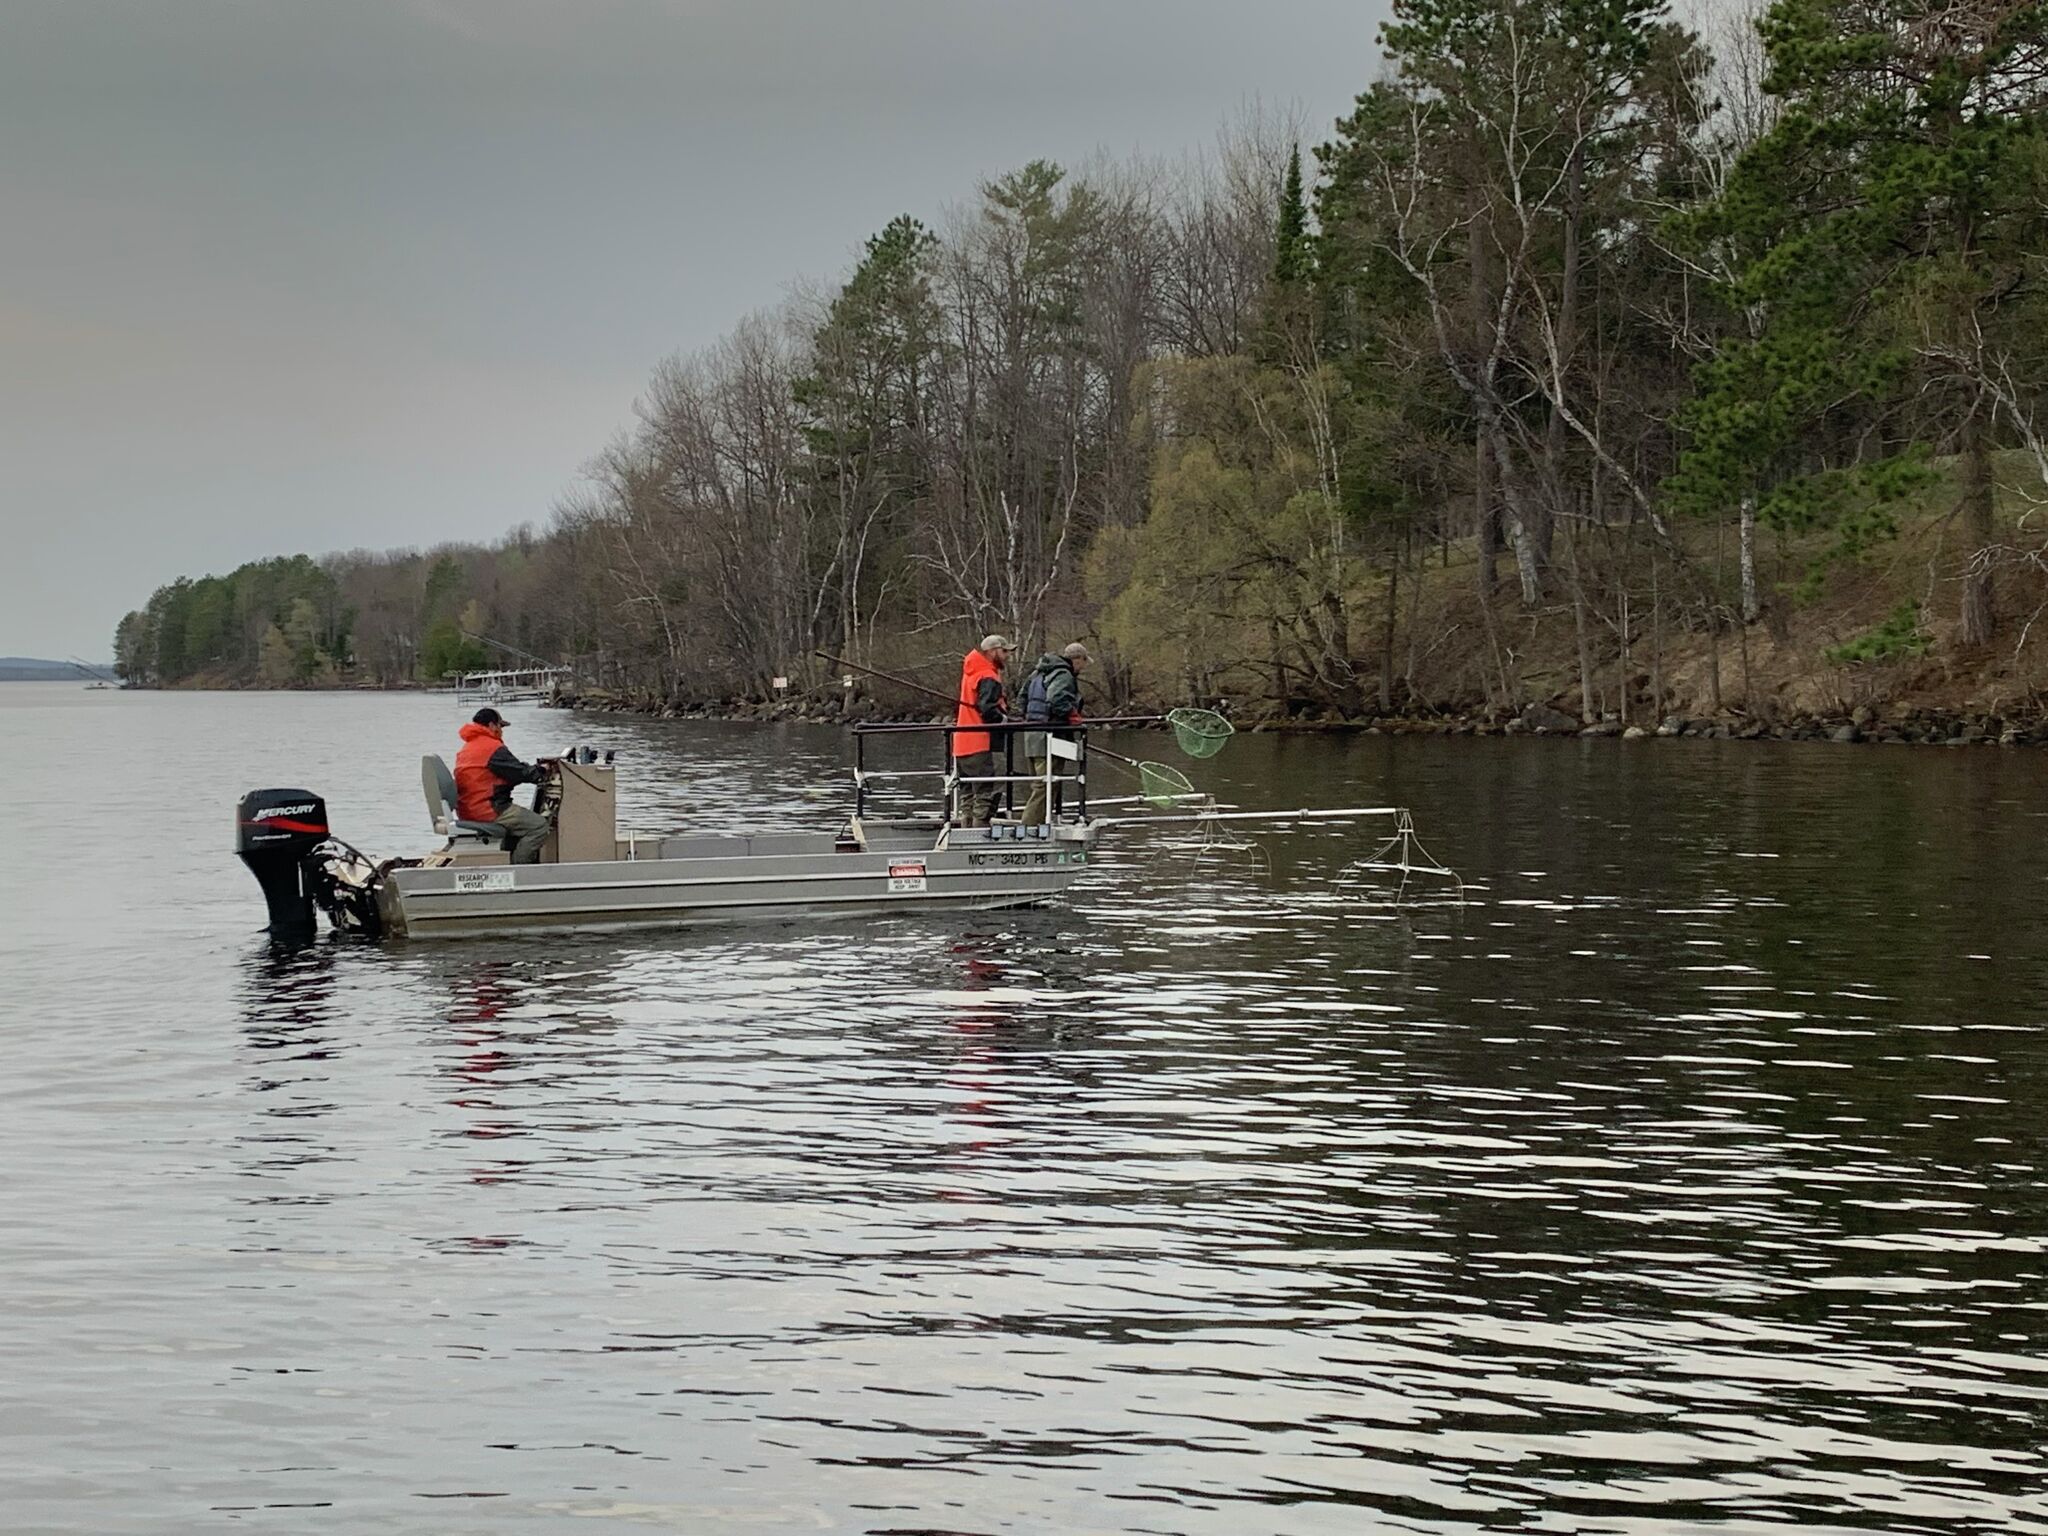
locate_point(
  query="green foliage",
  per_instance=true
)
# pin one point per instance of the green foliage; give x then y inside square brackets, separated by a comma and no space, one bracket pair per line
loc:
[1246,556]
[443,586]
[1878,243]
[219,627]
[1897,638]
[360,617]
[135,649]
[448,650]
[861,407]
[1293,250]
[869,356]
[276,665]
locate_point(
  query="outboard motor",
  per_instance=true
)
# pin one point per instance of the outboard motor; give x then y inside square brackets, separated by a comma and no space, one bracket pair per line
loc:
[276,833]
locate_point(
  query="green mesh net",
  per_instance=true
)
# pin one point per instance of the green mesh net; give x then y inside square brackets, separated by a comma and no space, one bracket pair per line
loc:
[1164,788]
[1200,732]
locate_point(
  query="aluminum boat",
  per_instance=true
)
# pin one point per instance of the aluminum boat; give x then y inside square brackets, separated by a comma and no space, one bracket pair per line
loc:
[591,878]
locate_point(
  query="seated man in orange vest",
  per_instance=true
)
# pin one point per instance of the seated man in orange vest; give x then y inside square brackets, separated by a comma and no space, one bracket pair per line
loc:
[485,773]
[981,704]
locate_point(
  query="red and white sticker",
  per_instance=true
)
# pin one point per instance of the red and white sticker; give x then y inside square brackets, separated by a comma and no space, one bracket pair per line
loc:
[905,877]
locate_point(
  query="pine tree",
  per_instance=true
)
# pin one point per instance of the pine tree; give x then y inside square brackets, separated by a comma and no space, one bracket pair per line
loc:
[1889,225]
[1293,253]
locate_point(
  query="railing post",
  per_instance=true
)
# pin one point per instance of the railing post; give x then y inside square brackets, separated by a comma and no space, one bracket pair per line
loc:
[860,781]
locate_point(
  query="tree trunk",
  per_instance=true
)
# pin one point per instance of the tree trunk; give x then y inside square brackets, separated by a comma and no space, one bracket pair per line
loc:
[1485,523]
[1656,642]
[1713,662]
[1483,512]
[1587,712]
[1623,690]
[1978,620]
[1387,633]
[1508,691]
[1415,629]
[1340,676]
[1521,540]
[1544,534]
[1746,539]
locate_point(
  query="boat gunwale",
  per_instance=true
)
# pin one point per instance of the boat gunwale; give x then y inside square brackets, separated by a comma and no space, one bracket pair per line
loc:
[849,865]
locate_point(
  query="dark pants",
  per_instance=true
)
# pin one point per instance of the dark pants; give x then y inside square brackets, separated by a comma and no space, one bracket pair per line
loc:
[524,832]
[975,803]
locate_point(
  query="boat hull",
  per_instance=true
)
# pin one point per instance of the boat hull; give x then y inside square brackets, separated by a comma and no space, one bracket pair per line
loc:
[723,886]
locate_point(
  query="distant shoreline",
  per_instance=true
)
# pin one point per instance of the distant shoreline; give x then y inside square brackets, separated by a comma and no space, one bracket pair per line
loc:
[1916,727]
[1922,727]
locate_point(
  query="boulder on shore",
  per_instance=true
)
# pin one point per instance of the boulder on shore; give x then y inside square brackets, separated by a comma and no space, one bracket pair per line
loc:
[1547,721]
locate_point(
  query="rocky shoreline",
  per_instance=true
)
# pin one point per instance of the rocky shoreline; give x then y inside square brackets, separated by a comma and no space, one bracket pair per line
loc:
[1866,724]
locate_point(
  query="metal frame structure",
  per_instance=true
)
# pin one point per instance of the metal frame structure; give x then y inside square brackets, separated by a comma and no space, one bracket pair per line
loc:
[508,685]
[1055,781]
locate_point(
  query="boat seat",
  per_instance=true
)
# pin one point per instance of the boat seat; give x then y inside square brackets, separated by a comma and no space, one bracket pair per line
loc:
[439,786]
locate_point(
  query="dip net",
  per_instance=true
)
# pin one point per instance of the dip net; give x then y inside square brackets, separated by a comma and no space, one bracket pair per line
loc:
[1163,788]
[1199,732]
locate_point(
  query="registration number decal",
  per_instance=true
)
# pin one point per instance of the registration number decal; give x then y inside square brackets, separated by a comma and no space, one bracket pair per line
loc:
[905,878]
[467,880]
[1019,859]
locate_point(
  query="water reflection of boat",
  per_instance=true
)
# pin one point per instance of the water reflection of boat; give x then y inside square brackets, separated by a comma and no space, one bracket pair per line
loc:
[591,878]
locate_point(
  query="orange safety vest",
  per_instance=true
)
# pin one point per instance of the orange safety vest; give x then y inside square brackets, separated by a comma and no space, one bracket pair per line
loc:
[475,785]
[972,671]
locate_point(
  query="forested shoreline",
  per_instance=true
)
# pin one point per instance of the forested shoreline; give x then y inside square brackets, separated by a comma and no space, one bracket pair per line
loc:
[1592,361]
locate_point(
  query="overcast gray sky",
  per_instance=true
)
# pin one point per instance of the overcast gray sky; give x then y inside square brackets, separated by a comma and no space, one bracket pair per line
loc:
[282,275]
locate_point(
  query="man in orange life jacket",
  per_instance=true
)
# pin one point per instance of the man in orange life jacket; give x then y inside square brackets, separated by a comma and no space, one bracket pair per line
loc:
[981,704]
[485,773]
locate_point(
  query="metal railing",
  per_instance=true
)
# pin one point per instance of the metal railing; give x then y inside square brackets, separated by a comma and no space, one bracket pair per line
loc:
[1060,774]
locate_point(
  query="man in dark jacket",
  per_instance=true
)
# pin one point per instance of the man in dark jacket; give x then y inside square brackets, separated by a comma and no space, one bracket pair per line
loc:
[1051,698]
[485,775]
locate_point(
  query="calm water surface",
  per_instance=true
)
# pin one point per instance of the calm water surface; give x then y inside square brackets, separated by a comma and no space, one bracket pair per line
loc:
[1688,1179]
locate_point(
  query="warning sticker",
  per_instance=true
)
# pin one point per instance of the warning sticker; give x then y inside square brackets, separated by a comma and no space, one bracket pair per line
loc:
[905,877]
[483,880]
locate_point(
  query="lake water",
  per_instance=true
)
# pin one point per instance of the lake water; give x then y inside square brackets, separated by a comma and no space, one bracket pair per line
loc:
[1689,1178]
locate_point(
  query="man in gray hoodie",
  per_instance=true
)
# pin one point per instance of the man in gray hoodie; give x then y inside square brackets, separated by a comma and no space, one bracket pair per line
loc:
[1052,698]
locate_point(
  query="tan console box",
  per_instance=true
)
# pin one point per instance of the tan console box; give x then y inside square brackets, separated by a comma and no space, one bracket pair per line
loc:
[587,826]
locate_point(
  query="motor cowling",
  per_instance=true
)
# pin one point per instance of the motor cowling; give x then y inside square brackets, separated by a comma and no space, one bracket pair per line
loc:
[276,833]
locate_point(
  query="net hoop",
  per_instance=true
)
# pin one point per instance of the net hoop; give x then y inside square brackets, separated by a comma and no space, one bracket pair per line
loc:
[1199,732]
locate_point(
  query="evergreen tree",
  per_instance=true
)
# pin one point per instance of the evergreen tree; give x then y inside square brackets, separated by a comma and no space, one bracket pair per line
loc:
[1293,252]
[863,405]
[1890,223]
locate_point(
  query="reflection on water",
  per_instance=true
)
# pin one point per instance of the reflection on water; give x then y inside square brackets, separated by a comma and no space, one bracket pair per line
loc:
[1689,1176]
